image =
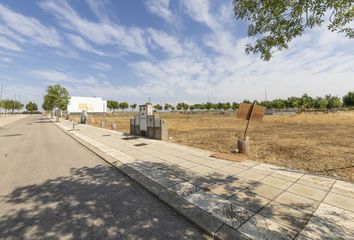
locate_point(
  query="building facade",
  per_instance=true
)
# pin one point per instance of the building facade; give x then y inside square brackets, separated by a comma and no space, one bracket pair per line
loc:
[90,104]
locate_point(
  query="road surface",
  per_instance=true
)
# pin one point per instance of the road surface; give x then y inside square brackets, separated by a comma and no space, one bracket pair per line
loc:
[51,187]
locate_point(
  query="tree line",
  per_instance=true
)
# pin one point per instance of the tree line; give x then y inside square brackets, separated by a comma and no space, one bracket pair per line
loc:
[302,103]
[11,105]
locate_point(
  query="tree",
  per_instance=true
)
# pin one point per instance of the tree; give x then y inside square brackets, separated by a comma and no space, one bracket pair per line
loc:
[294,102]
[348,100]
[158,107]
[267,104]
[112,104]
[123,105]
[274,24]
[307,101]
[333,102]
[168,106]
[12,105]
[235,105]
[56,97]
[208,106]
[183,106]
[31,107]
[133,106]
[320,103]
[278,104]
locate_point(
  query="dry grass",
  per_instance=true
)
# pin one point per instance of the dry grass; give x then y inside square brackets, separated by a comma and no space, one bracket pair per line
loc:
[321,143]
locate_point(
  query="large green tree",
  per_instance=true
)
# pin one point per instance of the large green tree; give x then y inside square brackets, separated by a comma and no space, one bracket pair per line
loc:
[56,97]
[273,24]
[348,100]
[11,105]
[31,107]
[123,105]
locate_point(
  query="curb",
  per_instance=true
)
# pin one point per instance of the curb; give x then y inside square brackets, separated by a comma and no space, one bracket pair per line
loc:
[206,222]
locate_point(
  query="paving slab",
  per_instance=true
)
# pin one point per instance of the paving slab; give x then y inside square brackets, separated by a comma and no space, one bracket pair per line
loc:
[250,201]
[229,188]
[307,191]
[259,227]
[276,182]
[285,215]
[287,175]
[202,169]
[340,201]
[187,164]
[297,202]
[338,216]
[253,175]
[205,200]
[232,214]
[343,192]
[263,190]
[320,229]
[184,189]
[316,181]
[232,169]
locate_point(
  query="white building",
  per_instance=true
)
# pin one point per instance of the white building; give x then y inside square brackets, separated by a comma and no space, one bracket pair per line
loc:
[90,104]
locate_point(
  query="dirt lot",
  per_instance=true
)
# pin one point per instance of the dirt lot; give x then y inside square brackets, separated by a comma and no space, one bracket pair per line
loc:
[320,143]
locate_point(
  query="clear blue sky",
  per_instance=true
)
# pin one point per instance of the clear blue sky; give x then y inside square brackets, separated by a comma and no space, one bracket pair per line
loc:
[171,51]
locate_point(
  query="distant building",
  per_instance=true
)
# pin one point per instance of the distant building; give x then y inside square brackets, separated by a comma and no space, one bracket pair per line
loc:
[90,104]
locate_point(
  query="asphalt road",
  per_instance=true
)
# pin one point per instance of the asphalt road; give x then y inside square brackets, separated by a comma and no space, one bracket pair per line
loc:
[51,187]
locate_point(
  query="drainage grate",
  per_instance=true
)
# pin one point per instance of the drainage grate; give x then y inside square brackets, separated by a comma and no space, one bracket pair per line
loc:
[12,135]
[140,144]
[106,135]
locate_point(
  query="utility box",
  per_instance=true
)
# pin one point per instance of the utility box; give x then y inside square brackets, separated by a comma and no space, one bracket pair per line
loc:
[147,124]
[144,112]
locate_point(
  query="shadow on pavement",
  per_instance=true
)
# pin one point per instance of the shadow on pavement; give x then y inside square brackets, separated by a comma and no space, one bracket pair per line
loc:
[90,203]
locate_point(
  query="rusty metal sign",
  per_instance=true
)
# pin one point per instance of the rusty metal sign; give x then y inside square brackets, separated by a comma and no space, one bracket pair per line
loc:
[249,111]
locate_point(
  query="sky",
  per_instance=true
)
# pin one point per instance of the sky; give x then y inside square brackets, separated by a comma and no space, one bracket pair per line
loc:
[169,50]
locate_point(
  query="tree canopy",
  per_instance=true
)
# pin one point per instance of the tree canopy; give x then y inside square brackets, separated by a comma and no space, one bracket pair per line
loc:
[12,105]
[56,97]
[31,107]
[274,24]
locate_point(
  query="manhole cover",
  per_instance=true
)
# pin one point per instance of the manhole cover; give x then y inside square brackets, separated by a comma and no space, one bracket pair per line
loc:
[12,135]
[140,144]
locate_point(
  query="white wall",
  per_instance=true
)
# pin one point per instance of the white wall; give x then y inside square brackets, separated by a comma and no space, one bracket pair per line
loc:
[90,104]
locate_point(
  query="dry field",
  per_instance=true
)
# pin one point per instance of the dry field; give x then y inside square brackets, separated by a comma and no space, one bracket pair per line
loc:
[318,143]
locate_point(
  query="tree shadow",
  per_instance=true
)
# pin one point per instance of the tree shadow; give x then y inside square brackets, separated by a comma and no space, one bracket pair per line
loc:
[289,218]
[90,203]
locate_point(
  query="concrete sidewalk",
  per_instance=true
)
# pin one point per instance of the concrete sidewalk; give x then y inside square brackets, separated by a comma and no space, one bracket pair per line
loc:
[236,200]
